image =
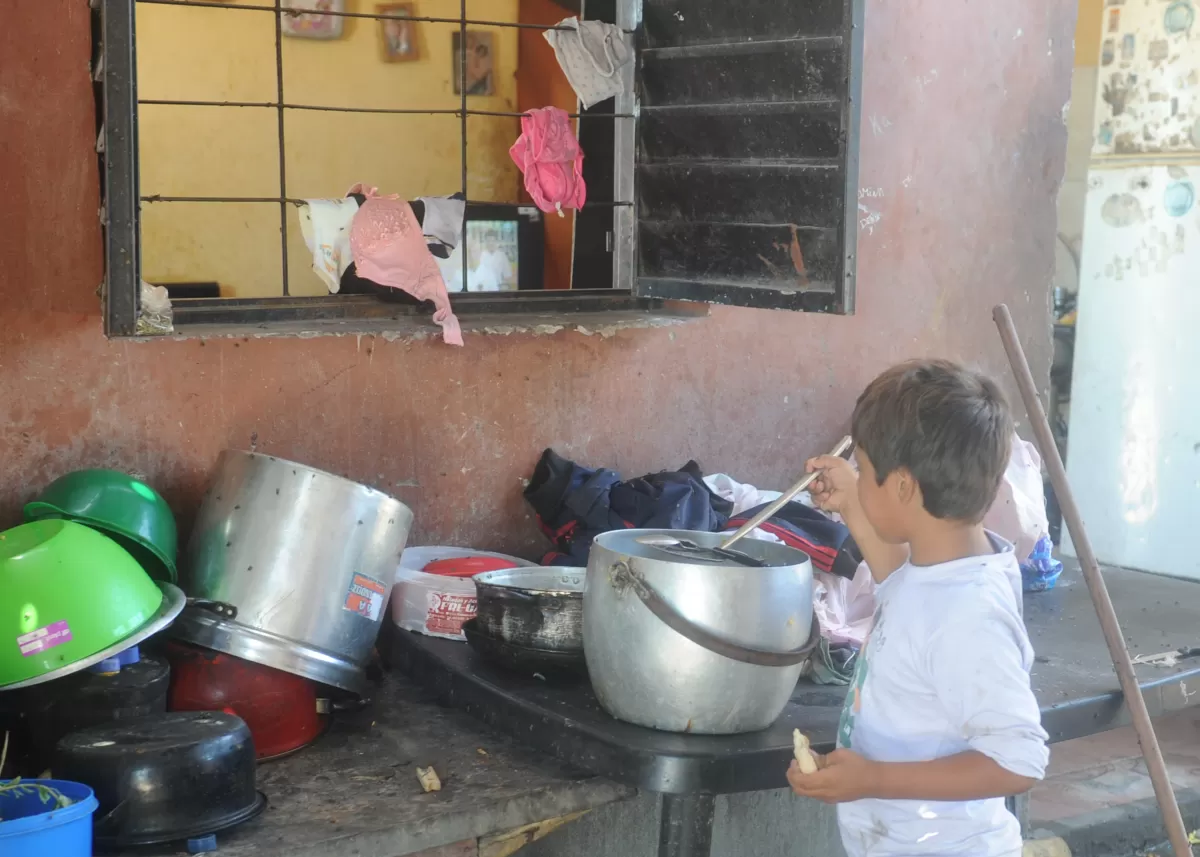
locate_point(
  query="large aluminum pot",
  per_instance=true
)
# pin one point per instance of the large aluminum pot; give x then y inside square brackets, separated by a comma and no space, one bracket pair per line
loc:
[688,645]
[305,558]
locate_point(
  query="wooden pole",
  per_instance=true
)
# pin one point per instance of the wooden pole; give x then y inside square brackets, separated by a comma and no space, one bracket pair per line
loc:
[1176,831]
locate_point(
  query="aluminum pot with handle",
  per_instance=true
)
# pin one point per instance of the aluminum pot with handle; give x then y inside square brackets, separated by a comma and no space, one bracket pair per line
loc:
[304,558]
[706,646]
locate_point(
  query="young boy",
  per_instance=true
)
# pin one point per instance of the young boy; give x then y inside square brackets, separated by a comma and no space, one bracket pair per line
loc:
[940,723]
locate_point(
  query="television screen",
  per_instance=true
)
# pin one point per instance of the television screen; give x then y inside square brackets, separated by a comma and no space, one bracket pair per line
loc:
[492,257]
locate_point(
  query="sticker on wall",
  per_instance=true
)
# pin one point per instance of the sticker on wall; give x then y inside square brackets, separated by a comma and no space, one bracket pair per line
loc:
[366,597]
[36,642]
[1128,46]
[1121,210]
[1158,50]
[1106,52]
[1105,135]
[1114,20]
[1196,134]
[1179,198]
[1179,17]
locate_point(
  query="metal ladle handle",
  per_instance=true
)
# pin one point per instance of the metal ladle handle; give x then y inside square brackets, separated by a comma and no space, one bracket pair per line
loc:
[787,496]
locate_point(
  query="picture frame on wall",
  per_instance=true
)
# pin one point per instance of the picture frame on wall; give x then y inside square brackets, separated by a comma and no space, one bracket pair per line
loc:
[397,36]
[481,77]
[297,20]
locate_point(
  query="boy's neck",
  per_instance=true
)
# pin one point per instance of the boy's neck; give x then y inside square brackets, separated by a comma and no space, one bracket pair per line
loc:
[938,541]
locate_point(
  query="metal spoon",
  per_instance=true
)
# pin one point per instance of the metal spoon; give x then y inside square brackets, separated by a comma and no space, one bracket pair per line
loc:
[753,524]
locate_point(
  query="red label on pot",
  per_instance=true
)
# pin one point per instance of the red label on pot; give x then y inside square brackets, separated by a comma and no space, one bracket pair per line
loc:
[44,638]
[447,612]
[366,597]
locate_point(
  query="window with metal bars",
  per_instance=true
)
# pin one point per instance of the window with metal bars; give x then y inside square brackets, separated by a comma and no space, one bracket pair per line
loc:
[724,172]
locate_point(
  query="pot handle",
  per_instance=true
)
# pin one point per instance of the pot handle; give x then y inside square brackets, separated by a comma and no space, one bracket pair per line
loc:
[329,706]
[623,575]
[222,609]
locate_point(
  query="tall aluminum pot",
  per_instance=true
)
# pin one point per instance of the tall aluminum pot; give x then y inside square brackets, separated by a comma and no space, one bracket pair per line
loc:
[688,645]
[306,561]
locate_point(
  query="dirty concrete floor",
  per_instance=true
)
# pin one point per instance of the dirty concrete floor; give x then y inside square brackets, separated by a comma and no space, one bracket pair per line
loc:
[1107,771]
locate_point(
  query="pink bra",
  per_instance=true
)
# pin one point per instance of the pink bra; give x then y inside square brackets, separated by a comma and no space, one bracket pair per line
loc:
[389,249]
[549,155]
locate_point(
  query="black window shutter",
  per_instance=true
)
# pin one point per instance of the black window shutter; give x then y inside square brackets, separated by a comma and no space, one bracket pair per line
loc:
[747,161]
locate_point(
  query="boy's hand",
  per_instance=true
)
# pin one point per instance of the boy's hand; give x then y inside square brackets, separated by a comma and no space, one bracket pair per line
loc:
[836,488]
[842,776]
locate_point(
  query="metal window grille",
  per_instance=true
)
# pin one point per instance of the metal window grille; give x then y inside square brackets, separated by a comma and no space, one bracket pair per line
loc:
[281,105]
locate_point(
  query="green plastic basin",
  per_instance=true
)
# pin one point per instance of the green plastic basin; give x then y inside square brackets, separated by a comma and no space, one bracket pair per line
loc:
[129,511]
[66,593]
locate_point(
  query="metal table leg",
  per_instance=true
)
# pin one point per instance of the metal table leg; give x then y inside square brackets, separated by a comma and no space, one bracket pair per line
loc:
[687,825]
[1018,805]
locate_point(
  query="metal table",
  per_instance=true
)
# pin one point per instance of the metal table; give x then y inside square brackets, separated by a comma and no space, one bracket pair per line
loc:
[1073,680]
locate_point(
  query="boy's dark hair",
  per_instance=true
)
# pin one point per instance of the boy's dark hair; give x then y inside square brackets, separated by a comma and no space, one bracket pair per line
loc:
[948,426]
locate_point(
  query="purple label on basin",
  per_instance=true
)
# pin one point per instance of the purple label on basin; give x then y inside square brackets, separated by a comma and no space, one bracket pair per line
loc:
[44,638]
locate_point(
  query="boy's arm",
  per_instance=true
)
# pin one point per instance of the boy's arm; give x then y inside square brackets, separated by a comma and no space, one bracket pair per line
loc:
[881,558]
[836,490]
[846,776]
[976,665]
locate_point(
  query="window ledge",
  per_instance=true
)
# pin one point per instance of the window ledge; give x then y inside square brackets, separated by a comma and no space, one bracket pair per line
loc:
[603,323]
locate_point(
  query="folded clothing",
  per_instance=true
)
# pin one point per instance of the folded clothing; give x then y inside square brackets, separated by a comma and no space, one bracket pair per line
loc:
[574,504]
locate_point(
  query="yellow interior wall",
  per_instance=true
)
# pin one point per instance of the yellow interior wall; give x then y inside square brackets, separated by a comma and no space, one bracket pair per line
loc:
[1087,32]
[217,54]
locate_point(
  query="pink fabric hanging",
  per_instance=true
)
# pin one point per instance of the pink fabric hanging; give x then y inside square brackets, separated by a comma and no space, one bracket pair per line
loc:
[549,155]
[389,249]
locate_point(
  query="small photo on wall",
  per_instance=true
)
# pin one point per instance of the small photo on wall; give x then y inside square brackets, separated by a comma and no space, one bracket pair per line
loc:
[297,19]
[399,36]
[481,79]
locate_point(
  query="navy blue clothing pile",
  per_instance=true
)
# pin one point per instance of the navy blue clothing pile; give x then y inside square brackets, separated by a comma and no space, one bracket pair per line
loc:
[575,504]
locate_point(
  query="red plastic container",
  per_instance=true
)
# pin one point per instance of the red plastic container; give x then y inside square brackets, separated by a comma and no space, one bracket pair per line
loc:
[280,708]
[467,566]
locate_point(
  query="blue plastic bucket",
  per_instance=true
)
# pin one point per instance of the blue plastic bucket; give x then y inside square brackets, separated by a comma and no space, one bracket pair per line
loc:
[30,828]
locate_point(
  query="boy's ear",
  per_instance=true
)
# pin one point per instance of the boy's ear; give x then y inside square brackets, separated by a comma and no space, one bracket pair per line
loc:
[907,488]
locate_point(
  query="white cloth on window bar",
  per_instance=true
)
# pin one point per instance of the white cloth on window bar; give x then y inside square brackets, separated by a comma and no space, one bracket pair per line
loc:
[592,54]
[443,219]
[325,224]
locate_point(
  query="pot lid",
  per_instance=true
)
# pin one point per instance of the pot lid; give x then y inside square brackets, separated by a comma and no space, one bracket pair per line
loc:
[640,544]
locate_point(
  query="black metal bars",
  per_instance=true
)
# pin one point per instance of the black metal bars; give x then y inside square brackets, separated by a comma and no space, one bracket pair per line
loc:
[283,226]
[378,16]
[454,111]
[280,105]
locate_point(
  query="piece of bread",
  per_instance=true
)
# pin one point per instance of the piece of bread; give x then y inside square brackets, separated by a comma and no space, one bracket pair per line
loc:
[430,781]
[804,756]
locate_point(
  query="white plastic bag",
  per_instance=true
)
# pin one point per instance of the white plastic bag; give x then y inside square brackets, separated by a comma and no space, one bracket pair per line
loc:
[155,315]
[845,608]
[434,604]
[1018,513]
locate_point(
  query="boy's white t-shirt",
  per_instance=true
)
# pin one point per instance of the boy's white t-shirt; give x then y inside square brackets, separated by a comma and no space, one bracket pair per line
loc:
[944,670]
